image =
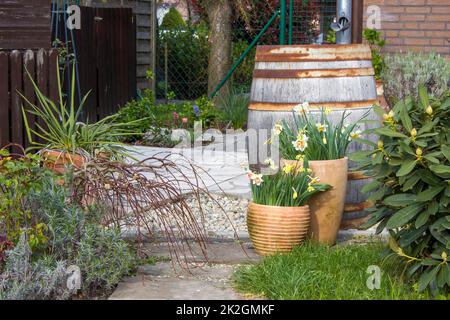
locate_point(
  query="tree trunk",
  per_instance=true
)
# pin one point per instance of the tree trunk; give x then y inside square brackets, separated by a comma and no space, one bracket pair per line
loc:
[219,15]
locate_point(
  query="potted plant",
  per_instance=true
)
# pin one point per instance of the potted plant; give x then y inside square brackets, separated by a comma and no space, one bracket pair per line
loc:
[315,141]
[278,216]
[64,140]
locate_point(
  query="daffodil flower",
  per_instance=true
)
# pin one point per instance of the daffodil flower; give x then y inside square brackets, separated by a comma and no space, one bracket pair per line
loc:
[311,189]
[321,127]
[257,179]
[277,129]
[270,163]
[295,195]
[355,135]
[302,108]
[288,168]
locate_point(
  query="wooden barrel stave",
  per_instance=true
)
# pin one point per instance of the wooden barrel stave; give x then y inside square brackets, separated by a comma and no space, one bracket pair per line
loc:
[339,77]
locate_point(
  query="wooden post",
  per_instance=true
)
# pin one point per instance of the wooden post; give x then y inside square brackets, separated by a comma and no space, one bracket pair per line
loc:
[357,21]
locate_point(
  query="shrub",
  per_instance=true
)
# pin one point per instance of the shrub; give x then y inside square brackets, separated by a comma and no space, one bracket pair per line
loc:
[411,169]
[404,72]
[172,20]
[136,110]
[187,53]
[19,177]
[243,76]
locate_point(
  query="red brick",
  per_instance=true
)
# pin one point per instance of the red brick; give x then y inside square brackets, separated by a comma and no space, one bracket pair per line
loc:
[412,33]
[418,9]
[436,17]
[432,26]
[438,34]
[412,17]
[417,41]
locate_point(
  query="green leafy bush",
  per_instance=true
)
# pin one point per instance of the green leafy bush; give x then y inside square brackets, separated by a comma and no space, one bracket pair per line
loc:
[243,76]
[177,49]
[18,178]
[373,37]
[172,20]
[404,72]
[411,170]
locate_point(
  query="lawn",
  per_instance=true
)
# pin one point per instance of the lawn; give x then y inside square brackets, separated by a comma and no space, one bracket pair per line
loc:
[313,272]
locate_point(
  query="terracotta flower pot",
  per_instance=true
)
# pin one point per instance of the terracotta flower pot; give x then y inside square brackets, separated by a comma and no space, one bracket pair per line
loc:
[57,161]
[277,229]
[327,208]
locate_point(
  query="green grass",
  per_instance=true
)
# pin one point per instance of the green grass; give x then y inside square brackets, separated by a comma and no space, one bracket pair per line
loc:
[313,272]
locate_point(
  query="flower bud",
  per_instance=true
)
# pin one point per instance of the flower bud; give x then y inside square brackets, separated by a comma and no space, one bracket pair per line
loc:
[414,133]
[380,144]
[419,152]
[429,110]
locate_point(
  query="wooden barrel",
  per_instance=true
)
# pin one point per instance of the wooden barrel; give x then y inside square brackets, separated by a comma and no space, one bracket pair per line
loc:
[340,77]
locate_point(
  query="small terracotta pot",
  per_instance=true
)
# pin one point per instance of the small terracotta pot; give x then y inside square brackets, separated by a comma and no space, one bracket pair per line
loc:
[57,161]
[327,208]
[277,229]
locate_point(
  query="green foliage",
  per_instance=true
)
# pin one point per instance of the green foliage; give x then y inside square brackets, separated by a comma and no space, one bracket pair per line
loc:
[233,108]
[312,140]
[291,187]
[172,20]
[315,272]
[411,171]
[183,56]
[331,36]
[63,129]
[136,110]
[19,177]
[404,72]
[103,257]
[243,76]
[373,37]
[74,237]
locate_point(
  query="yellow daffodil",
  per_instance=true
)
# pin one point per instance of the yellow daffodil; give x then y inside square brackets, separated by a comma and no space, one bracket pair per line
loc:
[268,141]
[288,168]
[328,110]
[314,180]
[300,158]
[321,127]
[311,189]
[355,135]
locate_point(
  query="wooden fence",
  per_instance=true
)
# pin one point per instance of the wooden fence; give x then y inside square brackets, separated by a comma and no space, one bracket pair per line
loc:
[106,54]
[14,81]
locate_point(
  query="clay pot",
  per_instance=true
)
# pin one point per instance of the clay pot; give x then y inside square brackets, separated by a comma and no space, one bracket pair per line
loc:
[277,229]
[327,208]
[57,161]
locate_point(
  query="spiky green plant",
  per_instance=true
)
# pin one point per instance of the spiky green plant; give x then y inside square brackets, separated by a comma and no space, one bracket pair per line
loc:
[312,140]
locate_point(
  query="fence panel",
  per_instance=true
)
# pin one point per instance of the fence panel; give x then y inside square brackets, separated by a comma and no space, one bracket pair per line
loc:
[14,82]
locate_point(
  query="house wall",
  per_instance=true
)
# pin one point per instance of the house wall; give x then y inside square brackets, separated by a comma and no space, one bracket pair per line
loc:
[25,24]
[414,25]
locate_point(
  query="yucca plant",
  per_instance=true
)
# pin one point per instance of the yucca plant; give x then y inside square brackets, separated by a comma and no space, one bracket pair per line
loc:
[316,140]
[292,186]
[63,130]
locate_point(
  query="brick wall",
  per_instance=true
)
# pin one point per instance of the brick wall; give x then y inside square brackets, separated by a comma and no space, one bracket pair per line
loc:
[415,25]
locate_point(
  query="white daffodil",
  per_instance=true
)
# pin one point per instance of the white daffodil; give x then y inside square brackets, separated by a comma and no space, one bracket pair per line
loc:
[301,143]
[257,179]
[270,163]
[302,108]
[277,129]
